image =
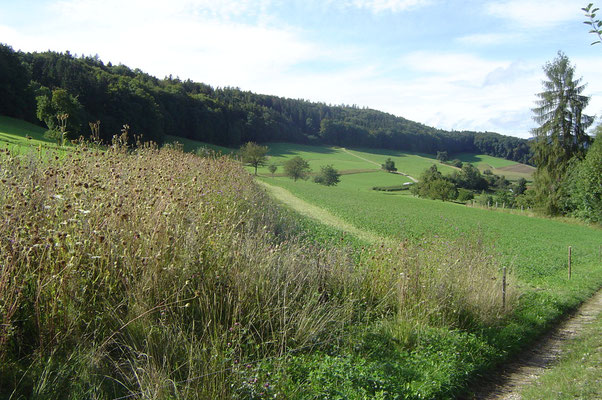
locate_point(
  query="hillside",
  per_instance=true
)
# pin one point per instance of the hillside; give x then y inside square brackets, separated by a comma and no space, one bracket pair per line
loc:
[88,90]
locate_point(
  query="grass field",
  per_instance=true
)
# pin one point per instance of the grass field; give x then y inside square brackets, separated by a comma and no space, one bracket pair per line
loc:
[14,133]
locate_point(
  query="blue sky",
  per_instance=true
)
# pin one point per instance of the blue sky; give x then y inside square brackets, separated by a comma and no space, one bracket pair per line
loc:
[450,64]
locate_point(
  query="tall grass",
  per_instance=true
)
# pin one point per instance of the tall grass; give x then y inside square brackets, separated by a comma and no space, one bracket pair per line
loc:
[152,273]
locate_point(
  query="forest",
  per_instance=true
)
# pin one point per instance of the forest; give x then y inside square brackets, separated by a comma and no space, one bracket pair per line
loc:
[38,86]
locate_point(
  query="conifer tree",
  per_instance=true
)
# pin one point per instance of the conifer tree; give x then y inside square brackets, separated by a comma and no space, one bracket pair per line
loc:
[561,135]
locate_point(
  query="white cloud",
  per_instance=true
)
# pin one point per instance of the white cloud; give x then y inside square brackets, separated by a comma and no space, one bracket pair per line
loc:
[536,13]
[379,6]
[198,39]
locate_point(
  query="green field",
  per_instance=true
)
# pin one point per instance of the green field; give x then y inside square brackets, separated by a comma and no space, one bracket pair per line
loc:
[14,132]
[482,160]
[21,137]
[359,159]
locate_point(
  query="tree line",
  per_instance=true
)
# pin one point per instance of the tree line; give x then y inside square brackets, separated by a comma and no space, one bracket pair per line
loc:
[39,86]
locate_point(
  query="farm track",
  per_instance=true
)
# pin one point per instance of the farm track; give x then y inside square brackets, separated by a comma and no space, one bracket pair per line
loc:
[377,164]
[508,384]
[319,214]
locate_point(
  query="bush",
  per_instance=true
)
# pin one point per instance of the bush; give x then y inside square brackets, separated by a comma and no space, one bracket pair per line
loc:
[328,176]
[465,195]
[456,163]
[394,188]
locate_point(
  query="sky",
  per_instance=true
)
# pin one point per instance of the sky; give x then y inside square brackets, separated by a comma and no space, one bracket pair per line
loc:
[450,64]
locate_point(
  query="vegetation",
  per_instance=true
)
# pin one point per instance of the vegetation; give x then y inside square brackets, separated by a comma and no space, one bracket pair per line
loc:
[433,185]
[328,176]
[596,24]
[561,138]
[297,168]
[389,165]
[396,188]
[158,108]
[253,154]
[272,168]
[162,274]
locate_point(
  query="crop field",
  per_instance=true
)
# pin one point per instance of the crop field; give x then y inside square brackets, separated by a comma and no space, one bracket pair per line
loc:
[535,246]
[499,166]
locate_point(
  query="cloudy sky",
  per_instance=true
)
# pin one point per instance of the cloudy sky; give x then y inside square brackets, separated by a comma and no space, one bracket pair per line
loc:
[451,64]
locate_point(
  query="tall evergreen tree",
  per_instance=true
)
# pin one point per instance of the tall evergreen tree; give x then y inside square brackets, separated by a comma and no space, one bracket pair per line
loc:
[561,135]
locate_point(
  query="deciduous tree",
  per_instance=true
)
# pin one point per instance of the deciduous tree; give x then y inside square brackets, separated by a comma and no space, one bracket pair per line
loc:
[389,165]
[253,154]
[297,168]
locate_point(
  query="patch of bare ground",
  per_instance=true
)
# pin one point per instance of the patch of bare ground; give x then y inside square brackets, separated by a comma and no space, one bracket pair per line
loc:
[525,369]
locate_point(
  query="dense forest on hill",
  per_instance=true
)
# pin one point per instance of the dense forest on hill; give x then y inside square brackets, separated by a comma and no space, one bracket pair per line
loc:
[37,86]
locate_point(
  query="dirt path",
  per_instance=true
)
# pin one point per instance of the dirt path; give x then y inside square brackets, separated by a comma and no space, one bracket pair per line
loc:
[375,163]
[525,370]
[319,214]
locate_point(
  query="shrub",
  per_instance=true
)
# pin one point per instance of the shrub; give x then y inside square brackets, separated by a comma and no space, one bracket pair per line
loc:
[328,176]
[465,195]
[456,163]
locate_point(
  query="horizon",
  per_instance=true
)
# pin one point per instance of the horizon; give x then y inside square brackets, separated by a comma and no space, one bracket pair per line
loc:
[471,67]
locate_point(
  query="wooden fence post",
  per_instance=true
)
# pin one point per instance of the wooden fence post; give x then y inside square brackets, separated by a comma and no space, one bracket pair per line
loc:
[504,290]
[569,262]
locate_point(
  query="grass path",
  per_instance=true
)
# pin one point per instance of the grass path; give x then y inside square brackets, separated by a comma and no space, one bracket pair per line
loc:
[375,163]
[319,214]
[536,361]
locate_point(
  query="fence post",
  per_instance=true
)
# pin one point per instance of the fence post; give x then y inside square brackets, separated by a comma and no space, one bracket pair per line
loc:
[504,290]
[569,262]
